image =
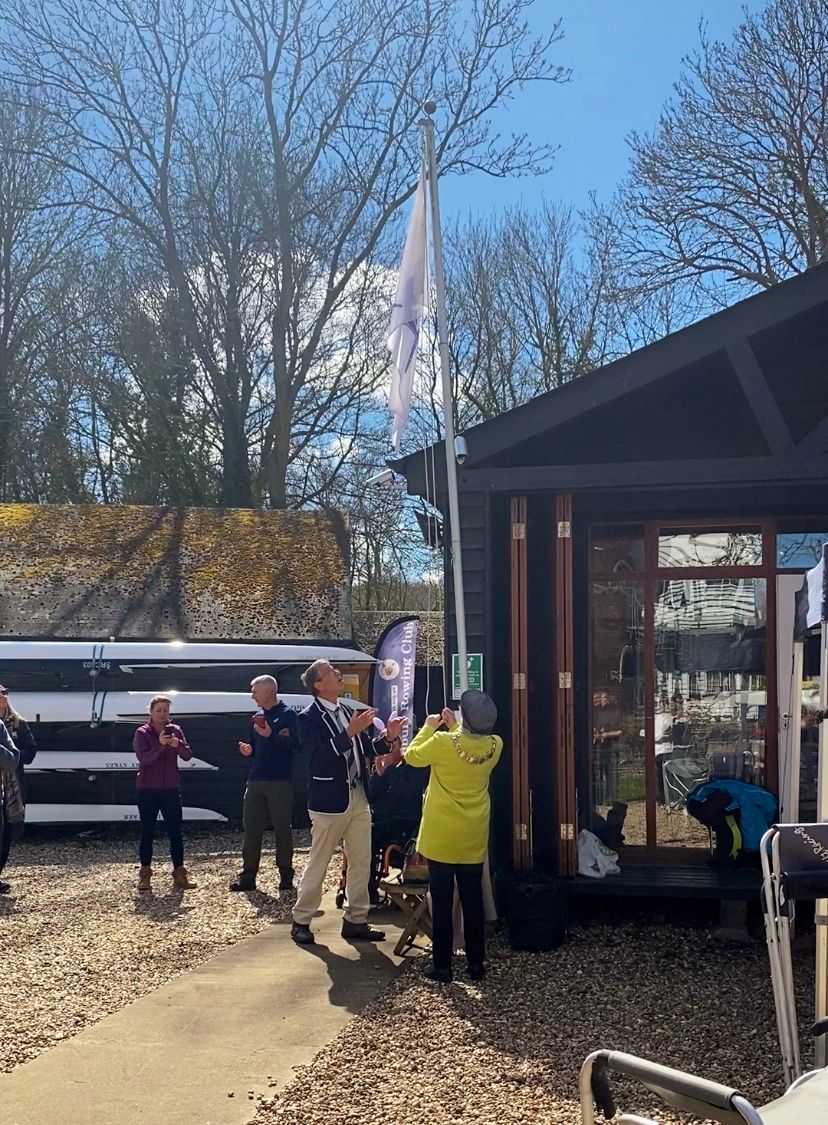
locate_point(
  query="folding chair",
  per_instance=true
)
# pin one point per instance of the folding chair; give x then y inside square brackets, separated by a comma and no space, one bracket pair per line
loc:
[803,1103]
[794,866]
[681,776]
[384,860]
[412,899]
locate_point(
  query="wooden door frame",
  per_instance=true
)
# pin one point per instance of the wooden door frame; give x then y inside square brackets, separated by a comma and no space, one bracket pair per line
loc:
[519,663]
[563,691]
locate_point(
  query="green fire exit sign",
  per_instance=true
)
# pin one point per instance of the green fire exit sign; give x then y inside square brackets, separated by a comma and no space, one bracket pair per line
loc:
[474,663]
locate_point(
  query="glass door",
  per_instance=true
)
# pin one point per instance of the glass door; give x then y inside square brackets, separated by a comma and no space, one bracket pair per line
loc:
[679,686]
[617,782]
[710,694]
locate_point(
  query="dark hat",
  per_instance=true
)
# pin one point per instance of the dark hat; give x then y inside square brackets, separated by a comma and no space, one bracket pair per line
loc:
[479,712]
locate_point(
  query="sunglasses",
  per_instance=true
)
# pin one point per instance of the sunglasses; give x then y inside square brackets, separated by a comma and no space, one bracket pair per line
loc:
[3,691]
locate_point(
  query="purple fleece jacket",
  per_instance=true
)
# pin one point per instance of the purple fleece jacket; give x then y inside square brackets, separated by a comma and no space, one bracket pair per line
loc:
[157,764]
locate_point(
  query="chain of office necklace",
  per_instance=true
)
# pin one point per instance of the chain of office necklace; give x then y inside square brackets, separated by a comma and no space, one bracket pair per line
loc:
[475,759]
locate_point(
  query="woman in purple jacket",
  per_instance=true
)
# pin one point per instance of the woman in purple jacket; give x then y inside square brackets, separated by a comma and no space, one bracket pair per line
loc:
[158,745]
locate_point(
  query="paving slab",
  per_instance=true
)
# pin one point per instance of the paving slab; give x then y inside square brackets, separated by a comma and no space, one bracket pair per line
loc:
[175,1056]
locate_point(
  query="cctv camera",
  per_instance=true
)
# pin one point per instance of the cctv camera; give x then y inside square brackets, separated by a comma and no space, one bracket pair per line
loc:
[385,479]
[461,450]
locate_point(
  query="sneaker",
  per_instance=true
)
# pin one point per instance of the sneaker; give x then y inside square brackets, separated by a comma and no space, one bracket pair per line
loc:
[439,976]
[361,931]
[242,884]
[301,934]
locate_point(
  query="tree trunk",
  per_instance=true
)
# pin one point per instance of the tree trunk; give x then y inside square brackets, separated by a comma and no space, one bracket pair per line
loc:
[236,479]
[5,426]
[277,460]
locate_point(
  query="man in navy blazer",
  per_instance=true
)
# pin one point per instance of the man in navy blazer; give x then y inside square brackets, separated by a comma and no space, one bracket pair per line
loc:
[341,749]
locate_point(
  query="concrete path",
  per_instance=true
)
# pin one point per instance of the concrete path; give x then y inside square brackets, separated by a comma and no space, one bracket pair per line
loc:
[173,1057]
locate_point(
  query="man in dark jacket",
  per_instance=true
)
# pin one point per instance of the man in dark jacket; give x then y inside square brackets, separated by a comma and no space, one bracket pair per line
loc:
[340,750]
[269,792]
[9,761]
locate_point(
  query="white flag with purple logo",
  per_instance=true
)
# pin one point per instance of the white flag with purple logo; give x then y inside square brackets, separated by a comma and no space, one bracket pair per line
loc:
[410,306]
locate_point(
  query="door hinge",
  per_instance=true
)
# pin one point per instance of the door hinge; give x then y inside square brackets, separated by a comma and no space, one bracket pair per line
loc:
[567,831]
[518,530]
[521,832]
[564,680]
[564,529]
[519,681]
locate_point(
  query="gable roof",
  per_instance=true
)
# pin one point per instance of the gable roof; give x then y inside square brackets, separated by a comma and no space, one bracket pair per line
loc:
[744,361]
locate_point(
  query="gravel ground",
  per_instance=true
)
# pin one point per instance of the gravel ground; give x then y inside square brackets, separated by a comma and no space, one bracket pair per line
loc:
[80,943]
[509,1050]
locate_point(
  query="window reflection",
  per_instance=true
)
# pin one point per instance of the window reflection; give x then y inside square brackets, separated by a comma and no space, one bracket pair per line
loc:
[799,551]
[617,772]
[710,693]
[616,549]
[685,547]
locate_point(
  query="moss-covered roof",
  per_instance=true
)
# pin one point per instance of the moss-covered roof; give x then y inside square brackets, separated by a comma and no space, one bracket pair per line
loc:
[105,570]
[370,623]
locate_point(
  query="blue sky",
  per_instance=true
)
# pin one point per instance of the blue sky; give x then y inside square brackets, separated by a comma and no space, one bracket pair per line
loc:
[625,56]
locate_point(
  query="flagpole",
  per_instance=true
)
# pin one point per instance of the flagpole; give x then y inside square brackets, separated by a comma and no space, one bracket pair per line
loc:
[427,126]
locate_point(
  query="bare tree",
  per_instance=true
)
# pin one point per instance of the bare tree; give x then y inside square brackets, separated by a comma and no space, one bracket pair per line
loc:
[37,275]
[261,152]
[732,185]
[532,306]
[121,84]
[486,344]
[341,88]
[150,408]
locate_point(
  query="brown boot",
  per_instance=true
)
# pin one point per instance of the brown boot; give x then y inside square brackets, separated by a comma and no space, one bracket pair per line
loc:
[181,879]
[144,876]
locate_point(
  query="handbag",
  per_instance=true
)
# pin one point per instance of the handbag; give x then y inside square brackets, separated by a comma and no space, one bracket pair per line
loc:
[415,867]
[13,801]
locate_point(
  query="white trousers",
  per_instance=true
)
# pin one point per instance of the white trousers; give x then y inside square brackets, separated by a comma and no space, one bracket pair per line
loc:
[353,828]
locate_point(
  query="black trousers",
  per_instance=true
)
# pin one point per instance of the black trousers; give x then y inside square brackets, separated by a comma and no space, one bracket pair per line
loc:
[150,803]
[469,876]
[7,834]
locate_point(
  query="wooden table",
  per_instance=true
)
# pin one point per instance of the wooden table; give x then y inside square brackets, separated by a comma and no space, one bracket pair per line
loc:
[412,899]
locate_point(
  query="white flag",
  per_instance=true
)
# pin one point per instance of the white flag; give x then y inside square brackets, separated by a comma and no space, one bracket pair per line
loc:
[410,306]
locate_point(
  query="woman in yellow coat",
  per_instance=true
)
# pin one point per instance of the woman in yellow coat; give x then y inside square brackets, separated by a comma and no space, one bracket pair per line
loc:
[454,830]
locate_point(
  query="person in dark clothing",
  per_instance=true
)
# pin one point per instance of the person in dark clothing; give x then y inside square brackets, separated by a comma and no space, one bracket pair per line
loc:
[396,795]
[269,792]
[158,745]
[606,746]
[21,736]
[9,754]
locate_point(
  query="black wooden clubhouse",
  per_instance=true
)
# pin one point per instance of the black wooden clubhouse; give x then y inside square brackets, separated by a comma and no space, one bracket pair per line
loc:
[631,543]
